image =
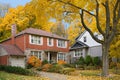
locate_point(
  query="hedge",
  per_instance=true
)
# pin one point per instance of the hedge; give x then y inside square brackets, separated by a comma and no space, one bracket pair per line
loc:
[16,70]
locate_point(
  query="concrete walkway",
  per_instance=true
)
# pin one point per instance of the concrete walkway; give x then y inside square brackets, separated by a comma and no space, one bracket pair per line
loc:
[52,76]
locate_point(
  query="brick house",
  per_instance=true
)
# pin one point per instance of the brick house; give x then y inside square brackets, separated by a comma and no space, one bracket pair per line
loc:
[42,44]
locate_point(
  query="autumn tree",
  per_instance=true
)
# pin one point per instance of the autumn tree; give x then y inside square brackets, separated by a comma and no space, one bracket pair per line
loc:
[40,8]
[105,15]
[19,16]
[74,30]
[59,29]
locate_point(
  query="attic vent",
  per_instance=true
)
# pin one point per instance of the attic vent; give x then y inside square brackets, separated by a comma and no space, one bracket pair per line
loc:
[85,39]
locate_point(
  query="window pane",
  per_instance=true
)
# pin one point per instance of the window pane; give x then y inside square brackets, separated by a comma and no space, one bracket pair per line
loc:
[61,43]
[61,56]
[35,39]
[32,53]
[36,53]
[50,41]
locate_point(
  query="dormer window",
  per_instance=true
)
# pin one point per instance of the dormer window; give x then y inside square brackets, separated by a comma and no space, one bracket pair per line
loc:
[85,39]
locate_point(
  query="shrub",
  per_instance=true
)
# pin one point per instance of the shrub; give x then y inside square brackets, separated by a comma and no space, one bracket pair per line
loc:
[90,68]
[112,65]
[46,67]
[17,70]
[67,70]
[56,68]
[81,61]
[34,61]
[118,65]
[69,65]
[96,61]
[61,62]
[81,67]
[44,62]
[88,60]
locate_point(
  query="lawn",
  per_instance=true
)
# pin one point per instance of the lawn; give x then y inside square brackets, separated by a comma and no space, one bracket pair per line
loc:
[83,75]
[93,75]
[10,76]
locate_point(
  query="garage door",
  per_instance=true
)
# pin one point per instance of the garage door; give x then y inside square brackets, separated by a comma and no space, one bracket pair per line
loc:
[17,61]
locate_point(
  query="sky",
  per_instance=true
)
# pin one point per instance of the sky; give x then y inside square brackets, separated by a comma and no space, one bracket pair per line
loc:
[14,3]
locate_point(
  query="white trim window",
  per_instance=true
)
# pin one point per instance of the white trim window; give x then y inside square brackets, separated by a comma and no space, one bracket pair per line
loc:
[61,56]
[61,43]
[38,40]
[78,53]
[37,54]
[50,41]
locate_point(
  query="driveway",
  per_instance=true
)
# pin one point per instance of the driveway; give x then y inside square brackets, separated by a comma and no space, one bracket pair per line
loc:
[52,76]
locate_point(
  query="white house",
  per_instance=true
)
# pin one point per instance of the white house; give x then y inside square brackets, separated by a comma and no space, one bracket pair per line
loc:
[86,45]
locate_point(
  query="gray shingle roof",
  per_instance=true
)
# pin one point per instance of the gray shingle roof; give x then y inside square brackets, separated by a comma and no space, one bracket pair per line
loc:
[39,32]
[77,45]
[12,50]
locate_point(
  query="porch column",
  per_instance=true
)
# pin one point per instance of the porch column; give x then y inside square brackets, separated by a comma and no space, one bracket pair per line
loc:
[48,56]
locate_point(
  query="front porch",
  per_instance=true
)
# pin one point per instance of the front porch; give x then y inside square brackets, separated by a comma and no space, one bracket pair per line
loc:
[53,57]
[50,56]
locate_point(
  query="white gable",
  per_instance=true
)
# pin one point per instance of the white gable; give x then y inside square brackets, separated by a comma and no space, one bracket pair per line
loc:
[89,40]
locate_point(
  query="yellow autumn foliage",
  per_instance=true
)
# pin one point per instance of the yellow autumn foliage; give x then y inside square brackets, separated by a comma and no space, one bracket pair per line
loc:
[34,61]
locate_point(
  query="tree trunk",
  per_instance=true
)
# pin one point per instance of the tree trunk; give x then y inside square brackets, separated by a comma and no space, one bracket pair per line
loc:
[105,64]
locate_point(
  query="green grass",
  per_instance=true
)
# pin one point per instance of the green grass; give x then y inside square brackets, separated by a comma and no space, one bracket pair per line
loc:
[10,76]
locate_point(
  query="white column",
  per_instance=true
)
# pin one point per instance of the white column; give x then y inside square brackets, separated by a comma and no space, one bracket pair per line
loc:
[42,55]
[48,56]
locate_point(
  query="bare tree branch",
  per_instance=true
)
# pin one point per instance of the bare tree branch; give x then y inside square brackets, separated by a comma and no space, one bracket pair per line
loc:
[84,25]
[76,7]
[118,12]
[107,18]
[115,21]
[97,19]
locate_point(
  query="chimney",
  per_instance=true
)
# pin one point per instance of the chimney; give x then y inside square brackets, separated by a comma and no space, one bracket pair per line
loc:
[13,31]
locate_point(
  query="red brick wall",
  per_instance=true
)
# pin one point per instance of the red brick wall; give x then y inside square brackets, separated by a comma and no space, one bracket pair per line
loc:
[19,41]
[3,60]
[45,47]
[23,42]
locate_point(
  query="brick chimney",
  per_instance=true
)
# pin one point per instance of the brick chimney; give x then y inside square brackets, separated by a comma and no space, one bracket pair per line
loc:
[13,31]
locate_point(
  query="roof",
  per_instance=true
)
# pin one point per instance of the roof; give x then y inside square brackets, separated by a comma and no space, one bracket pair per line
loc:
[40,32]
[12,50]
[80,35]
[78,45]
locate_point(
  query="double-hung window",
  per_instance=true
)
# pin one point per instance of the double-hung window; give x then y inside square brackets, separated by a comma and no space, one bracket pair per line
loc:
[78,53]
[61,56]
[36,53]
[62,43]
[50,41]
[36,40]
